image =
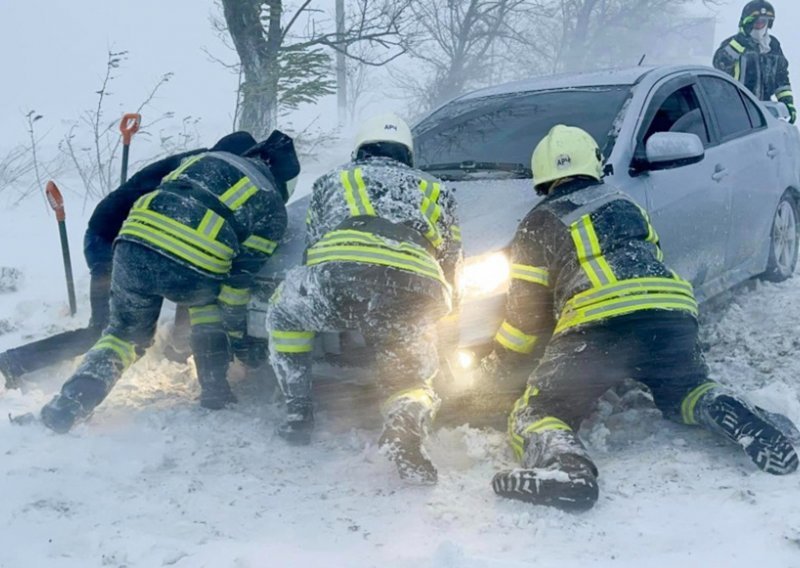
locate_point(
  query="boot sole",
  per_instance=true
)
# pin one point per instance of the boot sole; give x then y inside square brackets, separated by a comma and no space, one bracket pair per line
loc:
[548,488]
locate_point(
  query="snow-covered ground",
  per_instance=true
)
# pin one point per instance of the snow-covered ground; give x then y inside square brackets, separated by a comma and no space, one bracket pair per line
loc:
[153,480]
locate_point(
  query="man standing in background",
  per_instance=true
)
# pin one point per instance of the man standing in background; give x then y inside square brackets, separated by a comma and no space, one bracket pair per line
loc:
[755,58]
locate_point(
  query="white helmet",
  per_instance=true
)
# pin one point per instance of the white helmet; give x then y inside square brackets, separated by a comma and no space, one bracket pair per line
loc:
[384,128]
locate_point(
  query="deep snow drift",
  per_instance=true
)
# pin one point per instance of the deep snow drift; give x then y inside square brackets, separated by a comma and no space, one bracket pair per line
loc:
[153,480]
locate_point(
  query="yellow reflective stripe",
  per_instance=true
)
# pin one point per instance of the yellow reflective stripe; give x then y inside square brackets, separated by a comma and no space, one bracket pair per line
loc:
[737,46]
[455,230]
[234,296]
[421,395]
[783,94]
[362,192]
[211,224]
[374,255]
[205,315]
[124,349]
[737,70]
[625,305]
[260,244]
[144,201]
[292,341]
[173,175]
[515,339]
[176,247]
[690,402]
[528,273]
[431,210]
[516,441]
[545,424]
[178,230]
[349,194]
[590,256]
[238,194]
[348,237]
[632,286]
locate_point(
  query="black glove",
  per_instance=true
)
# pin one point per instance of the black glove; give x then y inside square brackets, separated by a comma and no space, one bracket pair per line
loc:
[250,351]
[792,112]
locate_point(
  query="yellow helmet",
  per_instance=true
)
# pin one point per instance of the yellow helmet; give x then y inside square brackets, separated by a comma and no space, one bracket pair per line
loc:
[565,152]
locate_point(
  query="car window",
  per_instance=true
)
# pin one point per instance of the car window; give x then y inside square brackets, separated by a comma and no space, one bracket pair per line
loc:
[506,128]
[756,116]
[680,112]
[728,106]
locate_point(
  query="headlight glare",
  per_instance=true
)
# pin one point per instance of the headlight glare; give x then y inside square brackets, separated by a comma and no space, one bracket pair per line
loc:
[486,275]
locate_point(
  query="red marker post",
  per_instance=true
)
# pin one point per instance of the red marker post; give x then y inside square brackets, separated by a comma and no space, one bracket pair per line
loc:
[56,201]
[128,126]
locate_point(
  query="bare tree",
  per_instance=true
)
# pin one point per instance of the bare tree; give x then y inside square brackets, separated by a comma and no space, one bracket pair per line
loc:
[458,45]
[285,54]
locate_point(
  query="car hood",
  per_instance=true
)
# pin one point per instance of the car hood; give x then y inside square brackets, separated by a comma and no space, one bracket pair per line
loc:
[489,212]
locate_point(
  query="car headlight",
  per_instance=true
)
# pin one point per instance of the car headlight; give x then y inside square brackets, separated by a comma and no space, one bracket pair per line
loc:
[485,275]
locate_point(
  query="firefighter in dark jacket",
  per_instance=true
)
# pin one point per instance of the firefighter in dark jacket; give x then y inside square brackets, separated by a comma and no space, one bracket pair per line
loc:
[198,240]
[755,58]
[383,253]
[103,227]
[593,304]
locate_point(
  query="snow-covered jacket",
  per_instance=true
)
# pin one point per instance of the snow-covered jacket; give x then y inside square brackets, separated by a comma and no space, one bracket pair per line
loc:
[218,213]
[582,255]
[765,74]
[411,214]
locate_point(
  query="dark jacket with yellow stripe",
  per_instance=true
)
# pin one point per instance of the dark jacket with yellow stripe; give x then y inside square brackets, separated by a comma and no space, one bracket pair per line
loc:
[382,211]
[582,255]
[765,74]
[218,213]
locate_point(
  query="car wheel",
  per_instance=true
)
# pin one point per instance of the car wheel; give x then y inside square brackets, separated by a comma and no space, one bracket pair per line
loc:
[783,241]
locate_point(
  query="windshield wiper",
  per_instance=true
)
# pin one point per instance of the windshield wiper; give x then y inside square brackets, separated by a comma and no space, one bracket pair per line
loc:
[471,166]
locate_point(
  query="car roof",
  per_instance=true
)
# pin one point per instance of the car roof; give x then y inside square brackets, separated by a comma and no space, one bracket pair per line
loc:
[606,77]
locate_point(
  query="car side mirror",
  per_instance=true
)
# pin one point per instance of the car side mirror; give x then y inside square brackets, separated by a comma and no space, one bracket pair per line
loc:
[667,150]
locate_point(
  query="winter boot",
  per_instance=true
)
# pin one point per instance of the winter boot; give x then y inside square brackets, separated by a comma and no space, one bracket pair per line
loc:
[78,398]
[760,438]
[299,423]
[401,442]
[557,472]
[10,369]
[211,358]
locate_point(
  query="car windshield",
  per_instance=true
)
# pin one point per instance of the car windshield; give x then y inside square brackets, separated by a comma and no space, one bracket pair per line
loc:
[494,136]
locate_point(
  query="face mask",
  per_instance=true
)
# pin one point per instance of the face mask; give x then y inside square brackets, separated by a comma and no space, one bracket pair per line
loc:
[761,37]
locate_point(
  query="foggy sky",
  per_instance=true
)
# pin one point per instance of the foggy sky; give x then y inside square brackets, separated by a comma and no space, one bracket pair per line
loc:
[54,52]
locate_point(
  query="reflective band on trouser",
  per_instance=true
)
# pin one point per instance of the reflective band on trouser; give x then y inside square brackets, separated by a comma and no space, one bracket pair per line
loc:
[589,254]
[173,175]
[516,440]
[176,246]
[201,315]
[783,92]
[292,341]
[260,244]
[422,264]
[625,305]
[514,339]
[238,194]
[421,395]
[355,192]
[534,274]
[125,350]
[690,402]
[234,296]
[176,229]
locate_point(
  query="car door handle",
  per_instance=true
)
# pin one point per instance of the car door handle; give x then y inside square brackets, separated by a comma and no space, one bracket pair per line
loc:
[772,152]
[719,174]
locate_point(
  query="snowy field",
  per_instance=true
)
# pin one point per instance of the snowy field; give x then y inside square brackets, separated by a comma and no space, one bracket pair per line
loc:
[153,480]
